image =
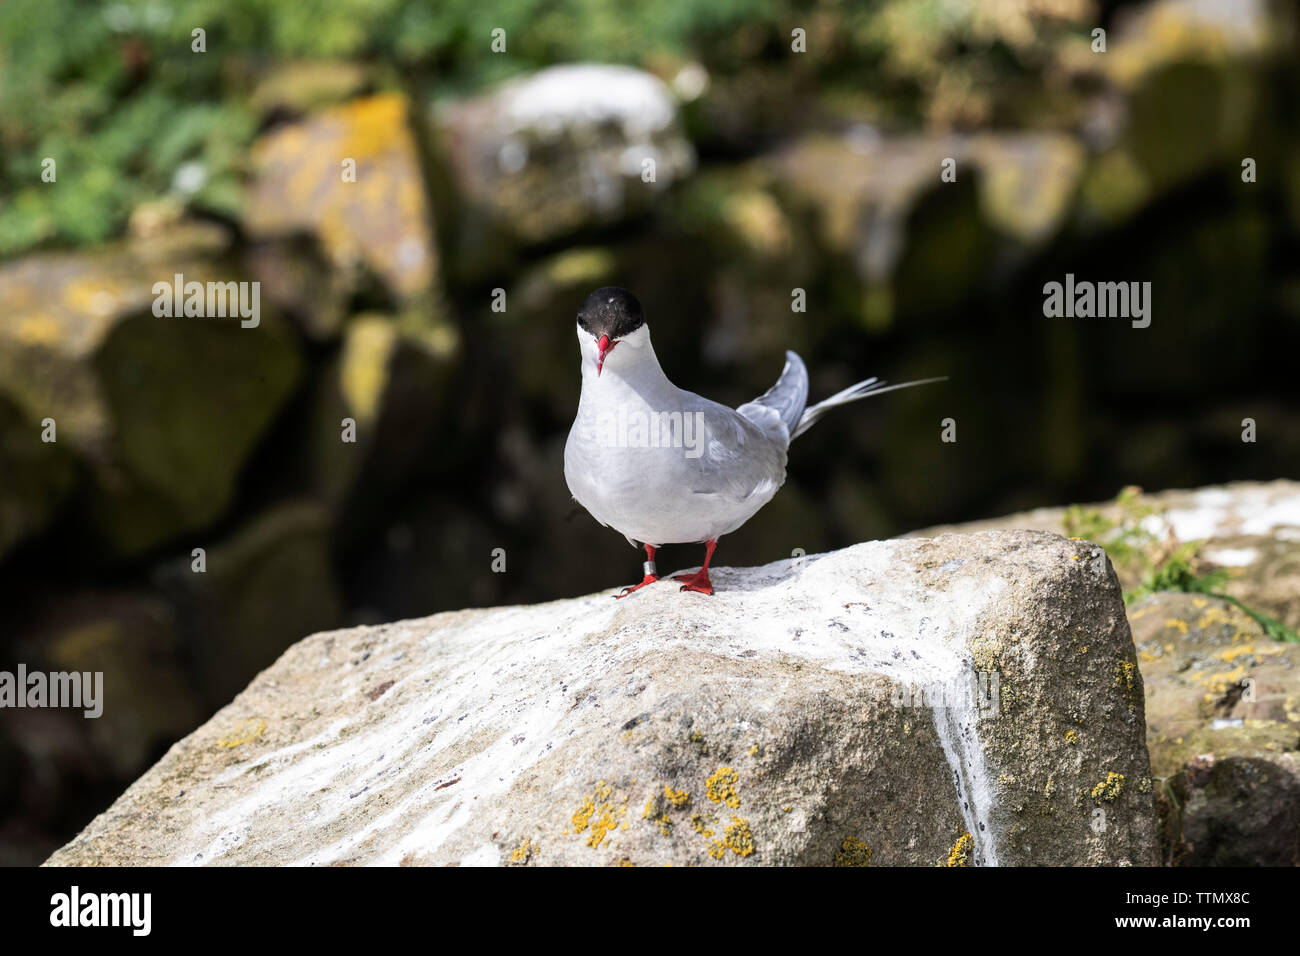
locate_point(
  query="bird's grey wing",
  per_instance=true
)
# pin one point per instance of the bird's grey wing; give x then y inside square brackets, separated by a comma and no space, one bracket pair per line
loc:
[740,458]
[784,401]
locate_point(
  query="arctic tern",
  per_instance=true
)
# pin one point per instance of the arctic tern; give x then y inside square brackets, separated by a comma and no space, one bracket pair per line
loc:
[663,465]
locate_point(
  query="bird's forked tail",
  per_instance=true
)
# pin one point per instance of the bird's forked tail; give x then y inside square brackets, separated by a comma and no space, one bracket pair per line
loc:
[872,386]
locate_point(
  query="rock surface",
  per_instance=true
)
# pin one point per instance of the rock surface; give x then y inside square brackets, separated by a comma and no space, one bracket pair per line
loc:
[1222,697]
[1223,725]
[163,412]
[972,699]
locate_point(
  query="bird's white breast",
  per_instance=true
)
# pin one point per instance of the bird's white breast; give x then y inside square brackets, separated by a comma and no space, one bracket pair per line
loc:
[663,465]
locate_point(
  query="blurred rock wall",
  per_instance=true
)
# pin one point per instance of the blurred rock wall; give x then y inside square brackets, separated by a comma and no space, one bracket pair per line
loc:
[383,222]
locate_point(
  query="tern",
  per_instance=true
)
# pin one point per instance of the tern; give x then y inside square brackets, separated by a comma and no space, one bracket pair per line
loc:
[662,465]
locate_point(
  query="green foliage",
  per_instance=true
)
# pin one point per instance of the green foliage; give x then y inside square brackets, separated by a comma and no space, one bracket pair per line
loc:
[1127,540]
[1177,573]
[115,95]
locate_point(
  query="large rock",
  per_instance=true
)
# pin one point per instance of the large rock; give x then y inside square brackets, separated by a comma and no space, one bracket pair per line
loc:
[377,220]
[1153,35]
[1187,91]
[558,151]
[164,412]
[825,710]
[881,202]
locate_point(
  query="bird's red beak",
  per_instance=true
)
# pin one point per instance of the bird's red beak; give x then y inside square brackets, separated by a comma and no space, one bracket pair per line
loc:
[604,347]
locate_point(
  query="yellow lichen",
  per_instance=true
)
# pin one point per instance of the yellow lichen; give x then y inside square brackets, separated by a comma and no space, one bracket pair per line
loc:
[583,814]
[364,363]
[39,330]
[678,798]
[1071,737]
[599,818]
[700,826]
[244,732]
[600,826]
[962,851]
[1110,788]
[1125,671]
[853,852]
[1220,682]
[722,787]
[525,852]
[738,838]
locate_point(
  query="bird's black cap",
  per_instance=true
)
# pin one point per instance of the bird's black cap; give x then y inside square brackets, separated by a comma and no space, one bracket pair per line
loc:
[611,311]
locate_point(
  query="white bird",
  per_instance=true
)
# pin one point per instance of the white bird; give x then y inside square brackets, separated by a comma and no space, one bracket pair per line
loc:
[663,465]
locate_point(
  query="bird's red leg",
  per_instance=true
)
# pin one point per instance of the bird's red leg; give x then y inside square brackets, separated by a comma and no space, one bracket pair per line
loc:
[699,581]
[650,573]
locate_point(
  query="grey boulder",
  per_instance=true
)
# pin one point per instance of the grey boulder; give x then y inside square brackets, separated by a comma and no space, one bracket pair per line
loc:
[967,700]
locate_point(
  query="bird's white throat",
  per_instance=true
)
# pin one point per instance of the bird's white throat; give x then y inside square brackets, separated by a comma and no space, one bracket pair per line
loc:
[631,403]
